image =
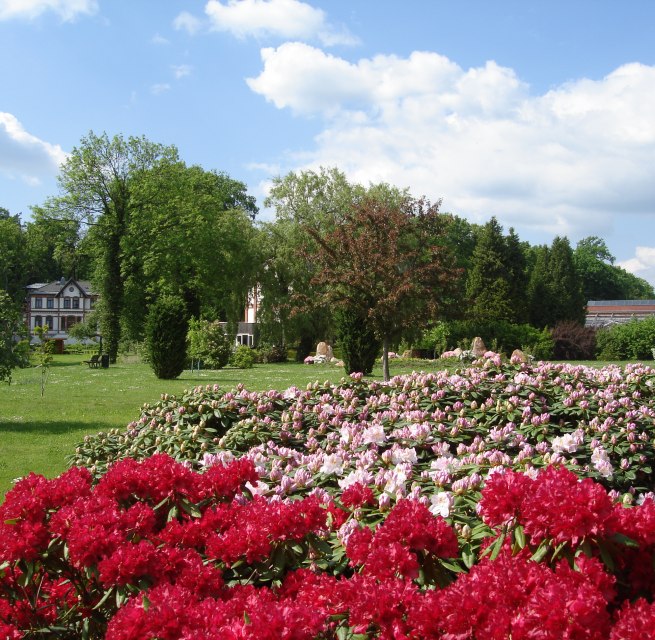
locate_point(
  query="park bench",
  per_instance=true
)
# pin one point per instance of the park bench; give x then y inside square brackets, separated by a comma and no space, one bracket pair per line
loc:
[94,362]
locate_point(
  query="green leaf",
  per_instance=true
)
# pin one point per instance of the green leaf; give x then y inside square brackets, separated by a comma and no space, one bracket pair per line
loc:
[190,508]
[519,536]
[541,552]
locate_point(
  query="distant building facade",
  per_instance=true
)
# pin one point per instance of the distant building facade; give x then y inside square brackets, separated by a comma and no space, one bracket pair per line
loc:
[603,313]
[59,305]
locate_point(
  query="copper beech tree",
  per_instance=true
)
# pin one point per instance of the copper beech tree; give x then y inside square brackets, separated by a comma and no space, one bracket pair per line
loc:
[388,262]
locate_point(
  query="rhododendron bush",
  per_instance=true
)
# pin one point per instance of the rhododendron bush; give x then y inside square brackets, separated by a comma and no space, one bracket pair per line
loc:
[501,501]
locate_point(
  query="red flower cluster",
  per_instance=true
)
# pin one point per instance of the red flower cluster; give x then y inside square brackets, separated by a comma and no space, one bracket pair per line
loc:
[410,532]
[556,506]
[156,550]
[514,597]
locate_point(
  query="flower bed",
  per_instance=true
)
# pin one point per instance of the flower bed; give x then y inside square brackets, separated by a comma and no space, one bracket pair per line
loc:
[502,501]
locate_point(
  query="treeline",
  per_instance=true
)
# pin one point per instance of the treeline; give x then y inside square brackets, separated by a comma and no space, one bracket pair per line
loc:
[141,224]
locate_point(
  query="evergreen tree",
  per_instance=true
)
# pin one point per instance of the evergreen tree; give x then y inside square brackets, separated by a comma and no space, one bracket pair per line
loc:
[567,300]
[538,290]
[166,332]
[488,283]
[359,345]
[516,261]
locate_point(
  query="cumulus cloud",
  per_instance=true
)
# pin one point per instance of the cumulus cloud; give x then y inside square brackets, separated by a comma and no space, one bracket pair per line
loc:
[67,10]
[642,264]
[25,157]
[186,21]
[560,163]
[286,19]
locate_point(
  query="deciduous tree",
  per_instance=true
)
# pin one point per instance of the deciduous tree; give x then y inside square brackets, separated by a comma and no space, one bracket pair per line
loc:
[388,262]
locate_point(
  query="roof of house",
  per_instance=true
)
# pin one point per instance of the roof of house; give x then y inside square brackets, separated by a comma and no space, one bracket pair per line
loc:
[57,287]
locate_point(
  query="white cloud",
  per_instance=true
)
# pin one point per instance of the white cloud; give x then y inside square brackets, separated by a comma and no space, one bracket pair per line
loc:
[158,89]
[181,70]
[187,22]
[25,157]
[286,19]
[643,263]
[67,10]
[159,39]
[561,163]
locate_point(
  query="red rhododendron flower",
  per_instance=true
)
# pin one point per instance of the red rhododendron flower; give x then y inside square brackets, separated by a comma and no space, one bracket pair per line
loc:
[563,508]
[502,497]
[635,621]
[357,495]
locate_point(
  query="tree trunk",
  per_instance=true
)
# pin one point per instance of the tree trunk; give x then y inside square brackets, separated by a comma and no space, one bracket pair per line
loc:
[385,358]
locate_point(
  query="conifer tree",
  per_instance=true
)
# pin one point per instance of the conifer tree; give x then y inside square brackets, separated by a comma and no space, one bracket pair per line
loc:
[487,285]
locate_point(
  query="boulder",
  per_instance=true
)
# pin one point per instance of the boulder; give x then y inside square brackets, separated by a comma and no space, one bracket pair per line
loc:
[322,349]
[478,348]
[329,355]
[518,356]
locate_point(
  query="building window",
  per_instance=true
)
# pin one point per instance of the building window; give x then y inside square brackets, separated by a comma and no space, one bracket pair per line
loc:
[38,303]
[38,321]
[48,321]
[67,303]
[50,303]
[76,303]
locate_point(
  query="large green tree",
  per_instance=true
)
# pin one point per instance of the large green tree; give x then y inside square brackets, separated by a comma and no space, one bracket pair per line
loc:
[97,184]
[193,237]
[601,278]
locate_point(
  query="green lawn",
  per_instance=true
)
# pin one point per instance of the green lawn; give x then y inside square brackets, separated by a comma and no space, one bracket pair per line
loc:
[37,433]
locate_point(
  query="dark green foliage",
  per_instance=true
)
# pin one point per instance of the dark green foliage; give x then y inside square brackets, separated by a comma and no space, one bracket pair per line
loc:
[567,298]
[573,341]
[359,346]
[166,331]
[632,340]
[601,279]
[304,347]
[242,357]
[502,337]
[555,292]
[497,280]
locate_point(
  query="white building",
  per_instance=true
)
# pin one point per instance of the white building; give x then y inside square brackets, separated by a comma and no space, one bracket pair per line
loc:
[59,305]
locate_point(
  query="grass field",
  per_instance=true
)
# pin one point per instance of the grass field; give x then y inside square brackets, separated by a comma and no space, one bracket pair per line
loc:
[37,433]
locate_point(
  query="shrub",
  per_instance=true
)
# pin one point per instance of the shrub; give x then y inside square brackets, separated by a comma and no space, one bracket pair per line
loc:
[242,357]
[270,353]
[166,330]
[632,340]
[573,341]
[357,342]
[445,505]
[434,339]
[209,343]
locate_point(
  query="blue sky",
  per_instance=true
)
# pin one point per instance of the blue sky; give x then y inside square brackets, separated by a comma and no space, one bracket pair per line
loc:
[540,113]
